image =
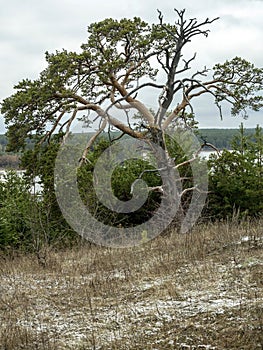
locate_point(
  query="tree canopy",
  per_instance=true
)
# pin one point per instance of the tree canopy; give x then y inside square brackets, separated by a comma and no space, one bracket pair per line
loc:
[119,60]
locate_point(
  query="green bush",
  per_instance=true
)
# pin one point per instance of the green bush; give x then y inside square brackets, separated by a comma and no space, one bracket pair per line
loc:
[15,205]
[47,222]
[236,181]
[123,177]
[31,221]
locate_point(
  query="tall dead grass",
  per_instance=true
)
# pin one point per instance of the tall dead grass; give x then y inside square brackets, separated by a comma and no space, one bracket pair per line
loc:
[159,295]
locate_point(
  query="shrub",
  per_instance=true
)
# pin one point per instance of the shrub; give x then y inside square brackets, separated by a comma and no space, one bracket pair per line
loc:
[236,182]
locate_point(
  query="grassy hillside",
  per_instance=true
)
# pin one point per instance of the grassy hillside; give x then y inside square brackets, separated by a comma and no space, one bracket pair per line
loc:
[198,291]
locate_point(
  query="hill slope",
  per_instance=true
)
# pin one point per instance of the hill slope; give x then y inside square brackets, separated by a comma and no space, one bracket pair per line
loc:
[197,291]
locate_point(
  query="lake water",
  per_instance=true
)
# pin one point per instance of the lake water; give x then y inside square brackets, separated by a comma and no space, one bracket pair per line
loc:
[37,187]
[206,154]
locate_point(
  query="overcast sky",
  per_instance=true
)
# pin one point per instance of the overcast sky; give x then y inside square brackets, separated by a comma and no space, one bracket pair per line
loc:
[29,28]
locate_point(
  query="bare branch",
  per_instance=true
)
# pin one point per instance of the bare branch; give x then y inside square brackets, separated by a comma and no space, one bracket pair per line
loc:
[69,122]
[189,189]
[196,154]
[83,158]
[186,66]
[50,132]
[202,73]
[157,189]
[160,16]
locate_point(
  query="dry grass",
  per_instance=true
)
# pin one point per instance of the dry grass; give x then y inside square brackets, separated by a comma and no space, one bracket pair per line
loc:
[197,291]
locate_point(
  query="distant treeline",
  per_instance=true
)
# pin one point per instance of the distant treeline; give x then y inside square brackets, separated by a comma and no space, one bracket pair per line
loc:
[221,138]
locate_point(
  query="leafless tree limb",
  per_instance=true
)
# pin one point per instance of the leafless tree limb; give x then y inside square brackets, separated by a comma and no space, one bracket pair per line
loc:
[91,141]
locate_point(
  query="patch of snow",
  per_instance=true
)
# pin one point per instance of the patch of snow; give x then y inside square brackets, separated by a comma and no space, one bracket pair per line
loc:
[253,239]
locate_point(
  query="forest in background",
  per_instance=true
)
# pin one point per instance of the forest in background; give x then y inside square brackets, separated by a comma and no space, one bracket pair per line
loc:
[220,138]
